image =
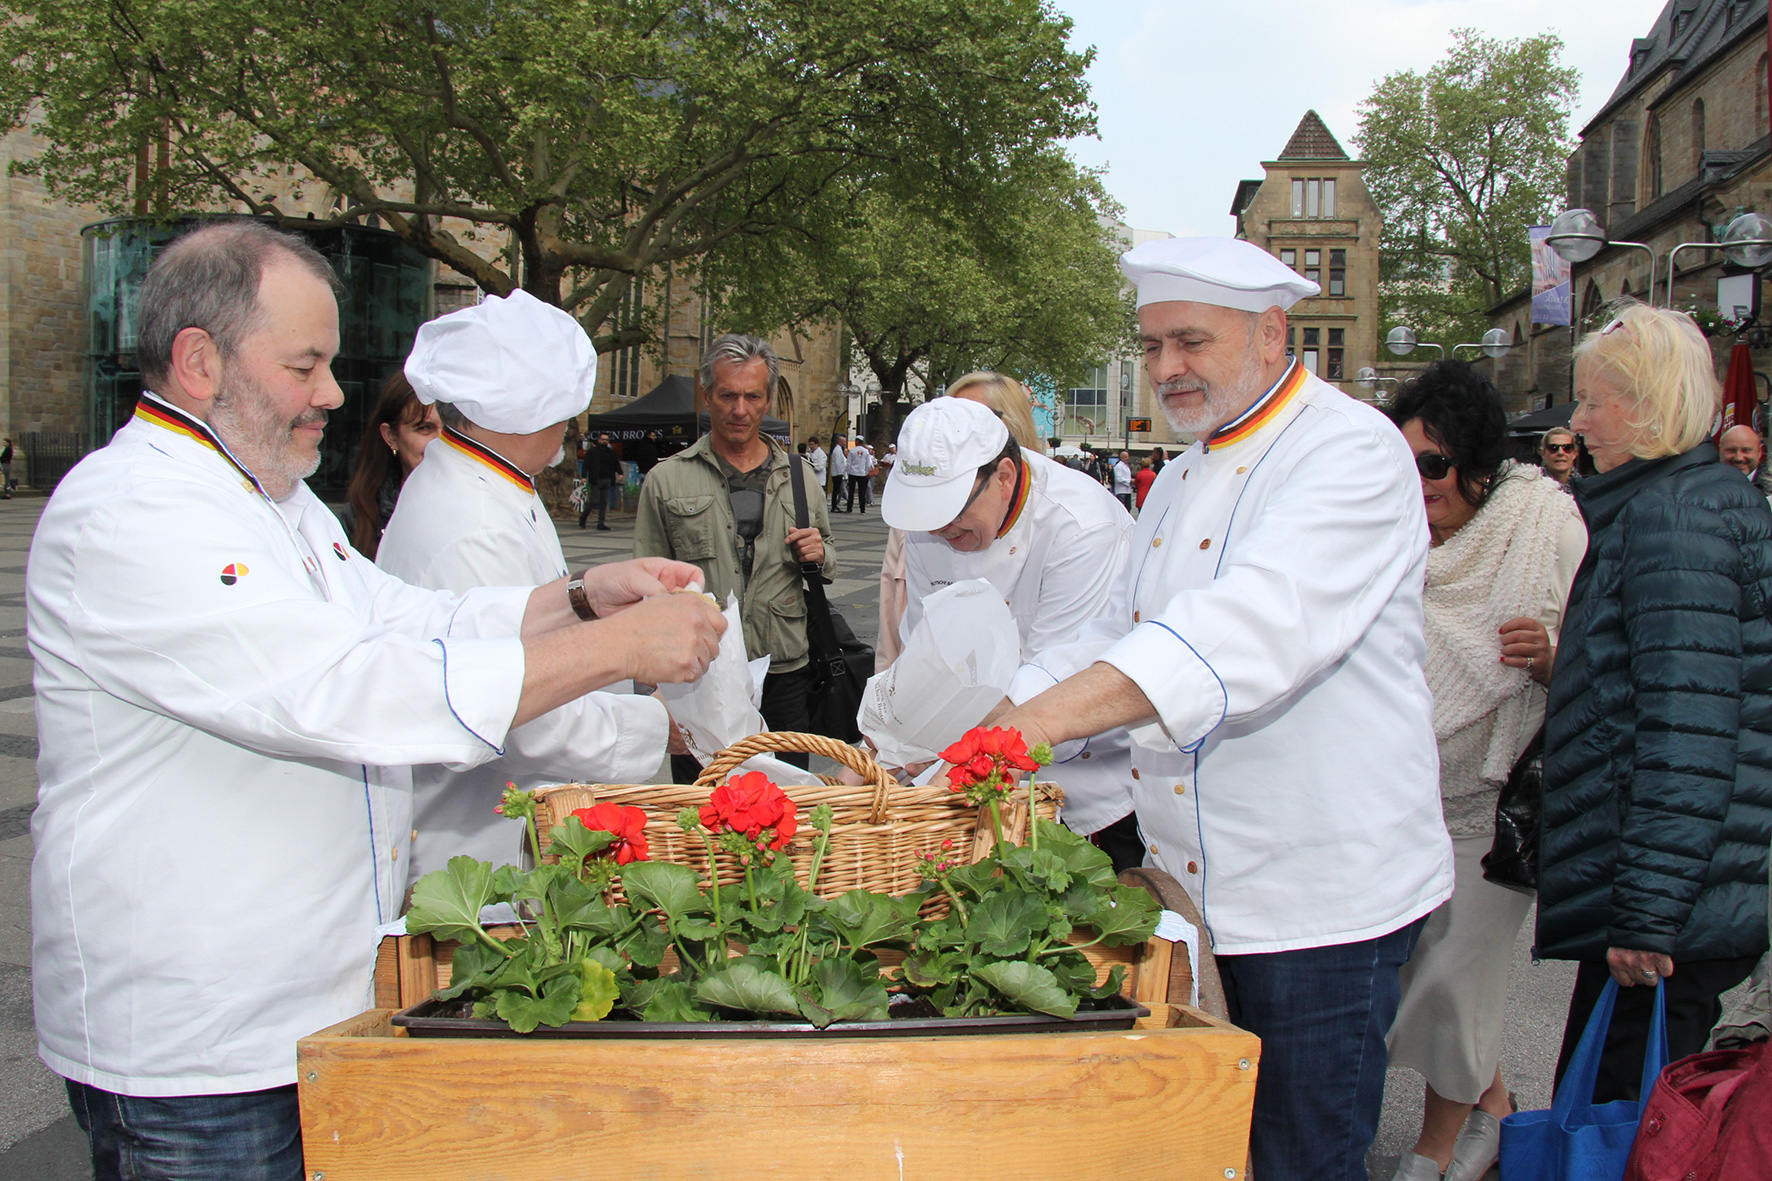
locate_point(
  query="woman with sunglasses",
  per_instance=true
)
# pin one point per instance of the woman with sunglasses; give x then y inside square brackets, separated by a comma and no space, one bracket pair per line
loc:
[1557,454]
[1658,746]
[1506,543]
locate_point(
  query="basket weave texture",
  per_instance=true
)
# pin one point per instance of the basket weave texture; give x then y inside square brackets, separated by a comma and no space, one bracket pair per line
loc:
[880,831]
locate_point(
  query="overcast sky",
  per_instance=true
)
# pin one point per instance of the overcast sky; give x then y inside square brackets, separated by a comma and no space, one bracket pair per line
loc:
[1192,95]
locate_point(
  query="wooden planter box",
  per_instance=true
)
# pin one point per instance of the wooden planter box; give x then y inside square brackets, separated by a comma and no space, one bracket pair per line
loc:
[1168,1100]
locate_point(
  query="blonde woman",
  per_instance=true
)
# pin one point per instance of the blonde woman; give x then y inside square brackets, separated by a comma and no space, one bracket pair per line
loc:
[1658,743]
[1012,402]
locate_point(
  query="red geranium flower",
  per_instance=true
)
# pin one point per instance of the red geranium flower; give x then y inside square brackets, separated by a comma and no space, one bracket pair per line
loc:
[750,804]
[627,825]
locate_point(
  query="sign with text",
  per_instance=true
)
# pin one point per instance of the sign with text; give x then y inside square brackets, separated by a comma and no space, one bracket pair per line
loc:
[1138,425]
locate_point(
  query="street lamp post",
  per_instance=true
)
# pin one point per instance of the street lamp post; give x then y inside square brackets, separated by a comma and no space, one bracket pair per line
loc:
[1495,343]
[1368,378]
[1746,242]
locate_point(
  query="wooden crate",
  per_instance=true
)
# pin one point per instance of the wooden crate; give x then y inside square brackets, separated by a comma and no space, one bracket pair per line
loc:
[1170,1100]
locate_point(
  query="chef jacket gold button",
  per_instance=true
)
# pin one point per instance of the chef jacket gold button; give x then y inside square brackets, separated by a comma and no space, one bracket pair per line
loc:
[1192,867]
[1241,470]
[415,834]
[1153,848]
[394,853]
[1156,542]
[1184,474]
[1013,548]
[1135,617]
[1181,789]
[1206,543]
[1085,754]
[1135,772]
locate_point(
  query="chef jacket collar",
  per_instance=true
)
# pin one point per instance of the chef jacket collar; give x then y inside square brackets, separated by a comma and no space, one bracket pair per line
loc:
[1024,483]
[152,408]
[1262,412]
[482,454]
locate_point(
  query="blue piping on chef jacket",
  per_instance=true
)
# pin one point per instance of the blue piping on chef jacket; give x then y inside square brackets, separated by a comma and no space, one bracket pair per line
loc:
[374,865]
[1079,751]
[496,748]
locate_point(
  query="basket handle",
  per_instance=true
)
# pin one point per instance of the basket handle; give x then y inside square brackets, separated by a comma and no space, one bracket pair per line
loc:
[771,742]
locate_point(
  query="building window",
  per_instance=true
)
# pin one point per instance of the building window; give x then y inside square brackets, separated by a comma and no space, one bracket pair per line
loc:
[1291,340]
[1085,408]
[1338,272]
[1313,267]
[1297,198]
[1309,360]
[1289,257]
[1313,197]
[1697,135]
[1329,197]
[1652,155]
[625,378]
[1337,341]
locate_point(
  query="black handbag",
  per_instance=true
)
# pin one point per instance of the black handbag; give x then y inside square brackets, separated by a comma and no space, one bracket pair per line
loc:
[1512,860]
[840,663]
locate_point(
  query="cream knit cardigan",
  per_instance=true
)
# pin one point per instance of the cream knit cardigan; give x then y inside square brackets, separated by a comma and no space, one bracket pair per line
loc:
[1503,564]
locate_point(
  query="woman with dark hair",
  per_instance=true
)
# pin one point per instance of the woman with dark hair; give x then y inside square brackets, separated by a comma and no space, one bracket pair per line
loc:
[1506,544]
[393,444]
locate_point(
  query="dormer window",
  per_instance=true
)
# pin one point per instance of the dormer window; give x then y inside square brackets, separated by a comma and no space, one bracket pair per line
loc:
[1640,49]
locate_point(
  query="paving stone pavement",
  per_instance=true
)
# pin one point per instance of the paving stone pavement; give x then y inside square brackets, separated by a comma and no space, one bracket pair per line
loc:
[38,1138]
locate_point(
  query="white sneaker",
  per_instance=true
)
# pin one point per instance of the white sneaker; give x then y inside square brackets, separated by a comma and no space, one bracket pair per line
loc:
[1477,1149]
[1415,1167]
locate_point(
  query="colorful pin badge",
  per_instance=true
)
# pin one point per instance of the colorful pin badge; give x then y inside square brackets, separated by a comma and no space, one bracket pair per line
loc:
[340,551]
[232,573]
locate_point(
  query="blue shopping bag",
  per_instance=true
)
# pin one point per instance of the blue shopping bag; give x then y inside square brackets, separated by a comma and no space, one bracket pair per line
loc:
[1576,1140]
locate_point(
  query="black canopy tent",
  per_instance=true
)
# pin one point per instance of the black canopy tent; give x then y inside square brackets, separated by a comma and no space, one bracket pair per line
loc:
[670,410]
[1539,421]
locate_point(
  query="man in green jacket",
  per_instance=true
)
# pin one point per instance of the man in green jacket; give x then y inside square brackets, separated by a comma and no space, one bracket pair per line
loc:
[726,504]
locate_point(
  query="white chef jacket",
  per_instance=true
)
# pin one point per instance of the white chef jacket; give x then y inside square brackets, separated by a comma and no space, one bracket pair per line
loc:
[1055,566]
[228,698]
[1122,478]
[467,517]
[1272,613]
[861,460]
[821,465]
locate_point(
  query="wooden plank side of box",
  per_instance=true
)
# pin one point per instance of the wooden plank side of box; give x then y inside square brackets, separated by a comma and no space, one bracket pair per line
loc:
[1151,1103]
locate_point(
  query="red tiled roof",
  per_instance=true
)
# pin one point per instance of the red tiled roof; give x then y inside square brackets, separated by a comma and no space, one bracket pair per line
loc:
[1312,141]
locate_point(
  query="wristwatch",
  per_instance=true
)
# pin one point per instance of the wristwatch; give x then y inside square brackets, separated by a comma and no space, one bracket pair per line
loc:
[575,594]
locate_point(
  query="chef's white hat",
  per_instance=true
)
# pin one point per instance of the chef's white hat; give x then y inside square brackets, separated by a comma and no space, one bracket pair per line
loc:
[1224,272]
[513,365]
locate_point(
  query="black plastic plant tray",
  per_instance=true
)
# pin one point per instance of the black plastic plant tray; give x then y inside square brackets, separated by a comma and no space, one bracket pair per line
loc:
[1113,1013]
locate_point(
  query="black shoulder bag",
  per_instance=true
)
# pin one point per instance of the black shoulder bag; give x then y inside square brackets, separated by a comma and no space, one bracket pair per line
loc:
[840,663]
[1512,860]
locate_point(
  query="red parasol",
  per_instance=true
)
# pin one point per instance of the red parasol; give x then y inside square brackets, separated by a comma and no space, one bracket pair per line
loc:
[1738,390]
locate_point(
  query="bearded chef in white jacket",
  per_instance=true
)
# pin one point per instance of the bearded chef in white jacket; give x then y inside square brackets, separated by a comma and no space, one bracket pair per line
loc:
[505,375]
[1051,540]
[228,700]
[1265,650]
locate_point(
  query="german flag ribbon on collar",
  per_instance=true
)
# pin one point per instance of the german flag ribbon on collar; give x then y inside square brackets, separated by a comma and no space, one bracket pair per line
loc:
[1262,413]
[1024,483]
[485,455]
[151,408]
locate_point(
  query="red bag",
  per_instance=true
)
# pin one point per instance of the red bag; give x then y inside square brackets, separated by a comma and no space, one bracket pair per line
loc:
[1709,1118]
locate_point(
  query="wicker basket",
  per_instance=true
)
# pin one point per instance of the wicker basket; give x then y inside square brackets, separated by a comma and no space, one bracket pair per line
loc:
[879,834]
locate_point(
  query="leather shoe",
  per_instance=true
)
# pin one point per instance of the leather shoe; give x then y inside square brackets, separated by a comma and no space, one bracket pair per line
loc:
[1415,1167]
[1478,1147]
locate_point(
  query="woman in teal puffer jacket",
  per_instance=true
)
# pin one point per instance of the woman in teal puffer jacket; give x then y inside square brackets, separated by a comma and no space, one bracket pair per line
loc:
[1658,740]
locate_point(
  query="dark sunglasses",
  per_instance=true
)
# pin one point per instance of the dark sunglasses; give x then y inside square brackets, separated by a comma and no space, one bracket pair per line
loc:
[977,491]
[1559,447]
[1432,466]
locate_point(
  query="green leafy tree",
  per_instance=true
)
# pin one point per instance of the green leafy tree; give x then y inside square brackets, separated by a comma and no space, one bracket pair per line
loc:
[1461,160]
[1019,276]
[561,146]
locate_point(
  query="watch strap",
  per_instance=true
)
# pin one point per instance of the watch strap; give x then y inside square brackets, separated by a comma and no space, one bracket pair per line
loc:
[575,595]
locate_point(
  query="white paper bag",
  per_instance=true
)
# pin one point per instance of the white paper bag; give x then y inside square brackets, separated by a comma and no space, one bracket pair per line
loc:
[955,667]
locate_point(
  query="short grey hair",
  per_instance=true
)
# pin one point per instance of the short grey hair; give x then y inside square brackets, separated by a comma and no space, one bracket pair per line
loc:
[737,348]
[452,418]
[209,279]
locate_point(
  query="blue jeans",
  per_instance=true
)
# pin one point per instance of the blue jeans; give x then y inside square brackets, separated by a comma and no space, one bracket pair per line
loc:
[1322,1014]
[254,1136]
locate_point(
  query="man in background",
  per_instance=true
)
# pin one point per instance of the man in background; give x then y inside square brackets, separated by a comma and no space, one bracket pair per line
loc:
[861,466]
[1557,454]
[1122,475]
[602,472]
[1742,449]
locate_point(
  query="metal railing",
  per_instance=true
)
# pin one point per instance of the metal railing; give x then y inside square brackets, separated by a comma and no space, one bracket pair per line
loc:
[48,457]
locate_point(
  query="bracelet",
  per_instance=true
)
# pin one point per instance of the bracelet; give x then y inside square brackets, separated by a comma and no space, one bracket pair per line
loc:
[575,595]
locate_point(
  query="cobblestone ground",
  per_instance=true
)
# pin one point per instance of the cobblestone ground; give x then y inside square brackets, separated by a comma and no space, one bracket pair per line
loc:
[38,1138]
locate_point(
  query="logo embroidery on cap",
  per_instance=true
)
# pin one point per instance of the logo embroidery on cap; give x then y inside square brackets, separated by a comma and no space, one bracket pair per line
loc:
[340,551]
[233,572]
[919,469]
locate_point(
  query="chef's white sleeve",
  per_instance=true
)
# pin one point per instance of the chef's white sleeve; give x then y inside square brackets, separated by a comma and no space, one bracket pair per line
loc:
[1333,544]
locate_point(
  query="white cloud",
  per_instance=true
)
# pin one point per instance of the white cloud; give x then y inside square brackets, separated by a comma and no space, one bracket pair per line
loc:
[1192,96]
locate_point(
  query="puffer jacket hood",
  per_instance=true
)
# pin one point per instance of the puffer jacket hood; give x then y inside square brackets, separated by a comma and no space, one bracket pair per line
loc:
[1658,740]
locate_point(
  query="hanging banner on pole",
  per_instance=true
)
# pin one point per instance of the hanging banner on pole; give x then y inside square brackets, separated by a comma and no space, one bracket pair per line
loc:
[1553,288]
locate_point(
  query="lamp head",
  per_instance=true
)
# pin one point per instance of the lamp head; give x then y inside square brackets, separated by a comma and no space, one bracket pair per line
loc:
[1747,242]
[1576,235]
[1496,342]
[1400,341]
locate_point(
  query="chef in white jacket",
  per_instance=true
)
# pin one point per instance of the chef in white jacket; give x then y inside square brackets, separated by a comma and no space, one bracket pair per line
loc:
[1052,541]
[1265,649]
[505,376]
[228,698]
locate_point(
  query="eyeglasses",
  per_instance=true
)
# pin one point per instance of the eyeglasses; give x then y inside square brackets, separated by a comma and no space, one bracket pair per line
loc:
[1559,447]
[977,491]
[1432,466]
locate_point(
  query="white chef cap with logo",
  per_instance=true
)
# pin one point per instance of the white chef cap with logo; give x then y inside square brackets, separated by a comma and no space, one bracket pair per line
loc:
[514,365]
[1224,272]
[941,446]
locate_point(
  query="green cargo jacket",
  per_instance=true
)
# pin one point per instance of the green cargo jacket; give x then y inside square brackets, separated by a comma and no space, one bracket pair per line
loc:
[685,513]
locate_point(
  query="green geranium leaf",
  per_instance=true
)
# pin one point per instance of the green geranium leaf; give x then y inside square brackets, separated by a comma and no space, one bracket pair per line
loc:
[817,1015]
[609,958]
[1003,923]
[695,930]
[474,966]
[748,987]
[446,902]
[977,879]
[1081,901]
[865,918]
[674,1002]
[588,912]
[850,989]
[930,971]
[1028,985]
[669,887]
[1072,970]
[645,945]
[597,991]
[523,1012]
[570,839]
[1082,860]
[1112,985]
[1128,915]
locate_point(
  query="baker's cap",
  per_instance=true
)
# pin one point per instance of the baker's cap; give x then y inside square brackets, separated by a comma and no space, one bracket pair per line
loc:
[513,365]
[1224,272]
[941,446]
